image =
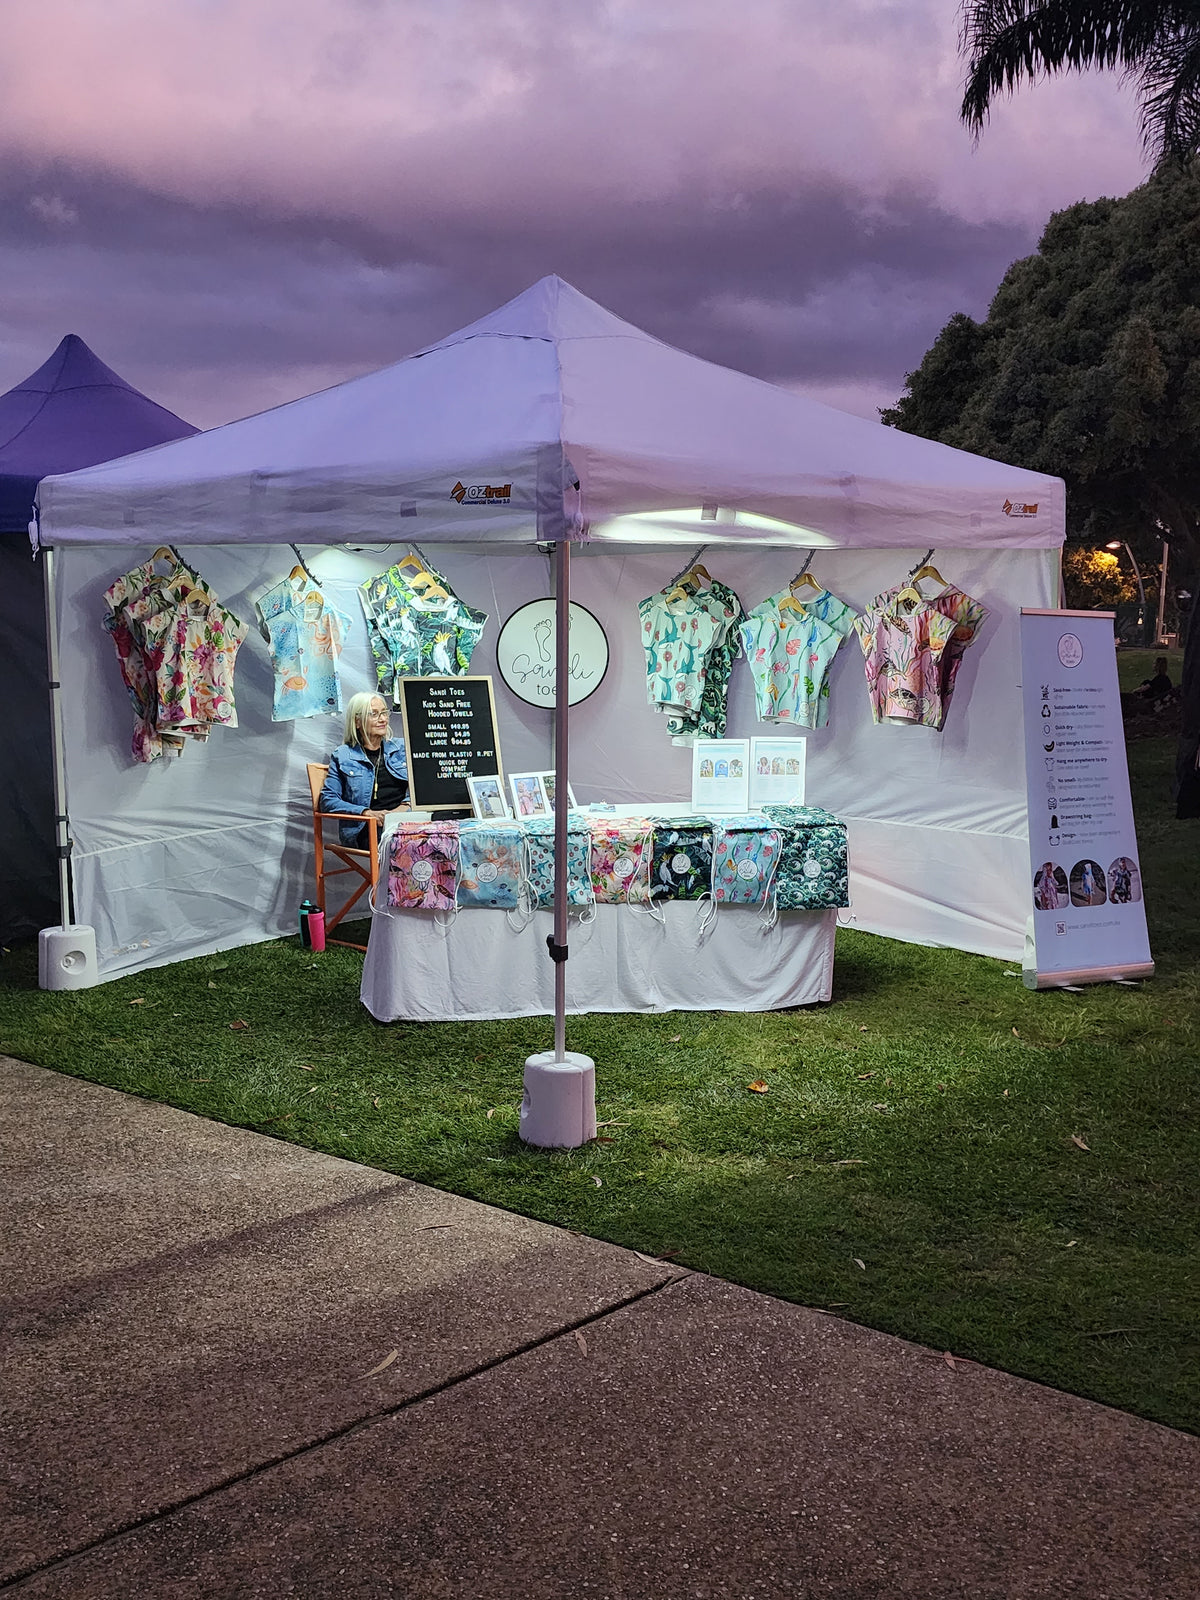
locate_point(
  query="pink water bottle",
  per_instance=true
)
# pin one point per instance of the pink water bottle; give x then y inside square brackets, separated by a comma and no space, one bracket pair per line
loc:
[316,930]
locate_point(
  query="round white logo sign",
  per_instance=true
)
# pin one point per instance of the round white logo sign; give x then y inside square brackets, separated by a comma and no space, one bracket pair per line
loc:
[487,872]
[422,871]
[681,863]
[747,870]
[525,653]
[811,869]
[623,866]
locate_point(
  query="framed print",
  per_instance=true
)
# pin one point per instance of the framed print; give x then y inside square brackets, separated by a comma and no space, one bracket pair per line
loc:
[548,781]
[529,795]
[487,797]
[720,775]
[777,772]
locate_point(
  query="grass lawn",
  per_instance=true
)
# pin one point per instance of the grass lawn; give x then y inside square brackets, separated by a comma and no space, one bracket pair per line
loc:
[940,1152]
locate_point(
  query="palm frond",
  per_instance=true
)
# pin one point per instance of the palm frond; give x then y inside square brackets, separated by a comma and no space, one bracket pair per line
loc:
[1168,78]
[1006,42]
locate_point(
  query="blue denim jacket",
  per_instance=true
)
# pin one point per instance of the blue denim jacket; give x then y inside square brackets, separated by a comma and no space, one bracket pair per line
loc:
[350,781]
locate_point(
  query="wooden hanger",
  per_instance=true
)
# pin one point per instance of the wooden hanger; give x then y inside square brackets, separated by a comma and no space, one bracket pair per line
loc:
[694,576]
[804,580]
[790,603]
[929,572]
[298,572]
[428,587]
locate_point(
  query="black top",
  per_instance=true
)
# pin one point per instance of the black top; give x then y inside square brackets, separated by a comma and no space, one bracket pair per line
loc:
[389,790]
[1158,685]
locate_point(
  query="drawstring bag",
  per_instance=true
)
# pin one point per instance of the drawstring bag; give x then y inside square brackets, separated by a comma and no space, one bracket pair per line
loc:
[491,864]
[681,858]
[813,861]
[423,866]
[745,859]
[620,860]
[539,837]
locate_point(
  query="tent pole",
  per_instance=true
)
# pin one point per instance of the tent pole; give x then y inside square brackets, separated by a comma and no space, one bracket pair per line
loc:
[67,953]
[562,657]
[559,1106]
[62,836]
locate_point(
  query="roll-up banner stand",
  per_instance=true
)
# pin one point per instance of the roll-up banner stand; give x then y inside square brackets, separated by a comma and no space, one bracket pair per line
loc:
[1088,918]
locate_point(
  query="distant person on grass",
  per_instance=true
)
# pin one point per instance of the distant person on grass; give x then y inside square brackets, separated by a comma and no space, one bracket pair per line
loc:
[1159,687]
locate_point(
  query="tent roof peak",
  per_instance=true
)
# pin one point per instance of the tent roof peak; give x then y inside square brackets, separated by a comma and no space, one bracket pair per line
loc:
[550,309]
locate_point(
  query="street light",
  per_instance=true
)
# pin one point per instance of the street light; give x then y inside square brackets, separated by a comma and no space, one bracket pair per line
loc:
[1120,544]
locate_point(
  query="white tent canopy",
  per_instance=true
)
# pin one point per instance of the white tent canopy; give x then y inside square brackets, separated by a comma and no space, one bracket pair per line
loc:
[214,849]
[549,391]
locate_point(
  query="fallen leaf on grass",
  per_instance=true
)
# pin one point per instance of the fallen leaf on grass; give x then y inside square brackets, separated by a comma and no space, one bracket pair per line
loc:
[303,1068]
[239,1026]
[653,1260]
[949,1360]
[581,1341]
[491,1113]
[1070,1242]
[612,1123]
[1016,1035]
[137,1002]
[597,1182]
[859,1263]
[862,1028]
[851,1161]
[316,1089]
[758,1086]
[603,1138]
[1006,1094]
[862,1076]
[675,1038]
[386,1362]
[211,984]
[430,1226]
[375,1102]
[1075,1139]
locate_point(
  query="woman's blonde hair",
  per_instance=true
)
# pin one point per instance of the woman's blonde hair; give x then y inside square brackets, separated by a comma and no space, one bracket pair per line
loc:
[356,718]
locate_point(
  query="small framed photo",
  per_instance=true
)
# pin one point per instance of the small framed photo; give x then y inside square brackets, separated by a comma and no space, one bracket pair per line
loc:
[529,795]
[487,797]
[548,784]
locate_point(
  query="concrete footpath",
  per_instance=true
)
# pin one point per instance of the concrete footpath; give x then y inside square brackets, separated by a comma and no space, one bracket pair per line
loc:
[236,1368]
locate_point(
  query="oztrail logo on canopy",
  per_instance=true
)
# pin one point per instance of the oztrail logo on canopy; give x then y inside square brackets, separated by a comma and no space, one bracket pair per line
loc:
[1014,508]
[479,493]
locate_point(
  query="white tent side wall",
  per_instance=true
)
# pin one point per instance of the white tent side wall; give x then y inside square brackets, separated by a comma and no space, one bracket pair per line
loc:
[214,849]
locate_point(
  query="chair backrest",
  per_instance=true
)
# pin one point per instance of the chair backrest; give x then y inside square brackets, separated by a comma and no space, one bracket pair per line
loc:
[317,773]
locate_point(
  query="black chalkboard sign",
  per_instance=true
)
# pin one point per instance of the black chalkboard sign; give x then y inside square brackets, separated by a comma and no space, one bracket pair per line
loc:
[450,736]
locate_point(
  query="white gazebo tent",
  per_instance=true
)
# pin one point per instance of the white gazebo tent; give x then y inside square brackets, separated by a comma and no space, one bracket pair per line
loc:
[591,436]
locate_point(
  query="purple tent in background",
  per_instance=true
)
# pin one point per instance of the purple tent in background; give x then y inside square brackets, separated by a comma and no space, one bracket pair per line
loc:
[72,412]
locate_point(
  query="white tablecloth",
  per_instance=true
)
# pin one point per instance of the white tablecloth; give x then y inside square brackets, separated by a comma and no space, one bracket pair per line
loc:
[479,966]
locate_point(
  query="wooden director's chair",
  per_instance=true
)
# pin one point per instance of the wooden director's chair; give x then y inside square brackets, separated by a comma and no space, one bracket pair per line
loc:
[362,863]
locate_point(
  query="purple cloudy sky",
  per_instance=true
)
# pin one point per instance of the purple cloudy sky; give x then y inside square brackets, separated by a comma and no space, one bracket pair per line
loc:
[236,202]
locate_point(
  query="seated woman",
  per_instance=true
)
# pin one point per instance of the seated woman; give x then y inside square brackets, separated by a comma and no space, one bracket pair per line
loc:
[368,775]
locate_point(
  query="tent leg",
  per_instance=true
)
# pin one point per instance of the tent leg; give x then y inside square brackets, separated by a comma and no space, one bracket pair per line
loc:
[66,953]
[559,1106]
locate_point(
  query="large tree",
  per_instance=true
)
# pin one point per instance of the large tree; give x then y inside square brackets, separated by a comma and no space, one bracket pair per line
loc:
[1088,367]
[1155,42]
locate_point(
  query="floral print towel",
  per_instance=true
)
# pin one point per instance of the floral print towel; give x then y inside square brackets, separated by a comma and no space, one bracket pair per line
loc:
[745,859]
[620,860]
[422,862]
